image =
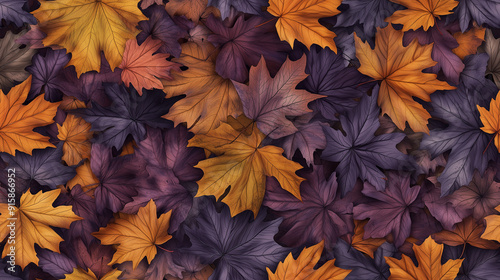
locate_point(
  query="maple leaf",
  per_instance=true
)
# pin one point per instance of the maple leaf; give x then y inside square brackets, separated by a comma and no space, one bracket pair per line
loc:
[13,60]
[75,133]
[209,100]
[321,215]
[467,232]
[429,259]
[243,245]
[491,119]
[399,70]
[421,13]
[17,120]
[469,41]
[87,27]
[35,217]
[298,20]
[12,11]
[80,274]
[142,68]
[243,164]
[389,211]
[136,235]
[492,231]
[492,48]
[84,177]
[480,11]
[303,266]
[478,263]
[192,9]
[269,101]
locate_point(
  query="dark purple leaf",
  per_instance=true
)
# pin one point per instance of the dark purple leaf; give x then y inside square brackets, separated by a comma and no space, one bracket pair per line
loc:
[241,246]
[360,151]
[45,78]
[54,263]
[321,215]
[473,75]
[247,6]
[12,11]
[389,212]
[480,11]
[242,44]
[478,263]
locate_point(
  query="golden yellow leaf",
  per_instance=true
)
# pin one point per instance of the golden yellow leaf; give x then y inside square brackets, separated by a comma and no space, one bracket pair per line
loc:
[468,41]
[84,177]
[298,19]
[35,217]
[209,100]
[136,235]
[243,164]
[17,121]
[491,119]
[429,264]
[421,13]
[303,267]
[75,133]
[87,27]
[492,231]
[81,274]
[399,69]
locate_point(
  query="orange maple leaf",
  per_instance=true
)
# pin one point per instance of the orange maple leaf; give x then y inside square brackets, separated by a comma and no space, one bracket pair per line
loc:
[243,164]
[298,19]
[17,121]
[365,245]
[80,274]
[421,13]
[303,267]
[429,264]
[491,119]
[75,133]
[137,235]
[142,68]
[492,231]
[466,232]
[399,69]
[469,41]
[35,217]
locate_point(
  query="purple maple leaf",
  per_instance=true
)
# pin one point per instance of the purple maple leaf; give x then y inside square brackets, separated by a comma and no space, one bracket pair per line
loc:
[389,211]
[12,11]
[359,152]
[321,215]
[45,70]
[243,43]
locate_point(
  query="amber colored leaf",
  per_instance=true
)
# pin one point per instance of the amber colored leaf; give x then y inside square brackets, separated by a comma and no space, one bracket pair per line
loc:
[298,20]
[35,217]
[466,232]
[75,133]
[399,69]
[492,231]
[429,264]
[142,68]
[303,267]
[209,100]
[192,9]
[368,245]
[87,27]
[491,119]
[84,177]
[81,274]
[469,41]
[243,164]
[421,13]
[17,121]
[136,235]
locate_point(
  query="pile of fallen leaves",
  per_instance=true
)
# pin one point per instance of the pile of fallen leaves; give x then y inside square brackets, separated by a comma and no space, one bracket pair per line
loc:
[250,139]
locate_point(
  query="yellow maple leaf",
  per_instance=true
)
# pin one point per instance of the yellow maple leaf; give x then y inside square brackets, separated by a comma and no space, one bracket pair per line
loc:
[243,164]
[491,119]
[298,19]
[75,133]
[84,177]
[492,231]
[136,235]
[399,69]
[17,121]
[428,255]
[421,13]
[80,274]
[209,100]
[35,217]
[87,27]
[303,267]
